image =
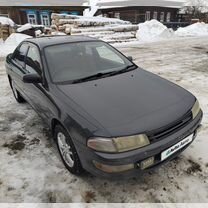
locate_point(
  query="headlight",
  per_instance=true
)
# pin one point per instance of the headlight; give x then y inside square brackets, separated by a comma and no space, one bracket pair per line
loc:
[119,144]
[195,110]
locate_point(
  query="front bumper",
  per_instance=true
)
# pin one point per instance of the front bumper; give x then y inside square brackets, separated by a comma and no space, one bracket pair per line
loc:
[87,156]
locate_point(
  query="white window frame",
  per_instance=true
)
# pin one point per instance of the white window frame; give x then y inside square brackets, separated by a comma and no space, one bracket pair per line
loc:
[4,15]
[168,17]
[155,15]
[147,15]
[44,20]
[33,20]
[162,16]
[117,15]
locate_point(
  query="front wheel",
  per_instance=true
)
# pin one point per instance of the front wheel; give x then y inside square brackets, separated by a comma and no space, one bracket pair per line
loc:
[16,93]
[67,150]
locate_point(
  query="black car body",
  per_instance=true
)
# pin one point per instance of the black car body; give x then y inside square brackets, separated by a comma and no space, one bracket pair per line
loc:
[119,123]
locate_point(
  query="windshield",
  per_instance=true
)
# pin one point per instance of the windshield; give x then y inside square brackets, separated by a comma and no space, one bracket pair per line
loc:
[73,61]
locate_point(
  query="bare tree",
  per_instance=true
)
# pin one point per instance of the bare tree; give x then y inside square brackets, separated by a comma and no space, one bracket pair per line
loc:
[196,9]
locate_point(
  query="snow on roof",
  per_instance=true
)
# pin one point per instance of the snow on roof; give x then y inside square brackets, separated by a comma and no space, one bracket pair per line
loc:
[128,3]
[42,3]
[6,21]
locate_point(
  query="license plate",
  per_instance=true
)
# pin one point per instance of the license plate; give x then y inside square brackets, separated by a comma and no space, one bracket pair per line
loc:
[167,153]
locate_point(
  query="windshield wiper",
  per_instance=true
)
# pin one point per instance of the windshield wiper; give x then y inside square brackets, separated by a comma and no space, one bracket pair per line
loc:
[91,77]
[126,69]
[104,74]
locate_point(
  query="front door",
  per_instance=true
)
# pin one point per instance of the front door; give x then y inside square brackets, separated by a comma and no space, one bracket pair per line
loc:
[37,93]
[17,68]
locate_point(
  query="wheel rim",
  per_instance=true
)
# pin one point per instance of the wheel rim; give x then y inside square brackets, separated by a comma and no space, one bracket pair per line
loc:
[65,149]
[14,89]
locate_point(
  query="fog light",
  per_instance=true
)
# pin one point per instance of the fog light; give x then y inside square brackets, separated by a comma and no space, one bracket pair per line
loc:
[199,128]
[113,169]
[197,131]
[147,163]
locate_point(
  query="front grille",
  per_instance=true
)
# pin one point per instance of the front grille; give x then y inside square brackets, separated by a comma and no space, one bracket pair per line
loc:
[170,129]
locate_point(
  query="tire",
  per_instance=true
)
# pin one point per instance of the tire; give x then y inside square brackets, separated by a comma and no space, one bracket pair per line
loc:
[67,150]
[16,93]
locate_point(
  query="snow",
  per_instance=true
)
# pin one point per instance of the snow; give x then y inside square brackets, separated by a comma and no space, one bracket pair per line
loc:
[11,43]
[28,26]
[35,173]
[86,20]
[153,30]
[197,29]
[6,21]
[58,33]
[93,8]
[24,27]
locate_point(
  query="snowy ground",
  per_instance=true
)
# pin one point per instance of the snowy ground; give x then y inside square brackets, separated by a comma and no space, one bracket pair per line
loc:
[30,168]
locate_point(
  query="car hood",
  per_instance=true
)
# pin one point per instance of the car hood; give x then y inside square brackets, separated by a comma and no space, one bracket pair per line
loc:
[130,103]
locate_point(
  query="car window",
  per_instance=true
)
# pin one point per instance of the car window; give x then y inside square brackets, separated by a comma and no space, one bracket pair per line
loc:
[20,53]
[72,61]
[108,54]
[33,61]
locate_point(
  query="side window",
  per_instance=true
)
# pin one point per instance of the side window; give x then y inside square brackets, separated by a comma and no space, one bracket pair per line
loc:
[33,62]
[19,55]
[106,53]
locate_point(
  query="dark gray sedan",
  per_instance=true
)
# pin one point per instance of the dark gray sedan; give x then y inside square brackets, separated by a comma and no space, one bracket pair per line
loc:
[107,115]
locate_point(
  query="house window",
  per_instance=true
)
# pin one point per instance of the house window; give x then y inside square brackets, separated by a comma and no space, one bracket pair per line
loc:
[74,13]
[162,16]
[168,17]
[155,15]
[147,15]
[4,15]
[45,19]
[117,15]
[32,17]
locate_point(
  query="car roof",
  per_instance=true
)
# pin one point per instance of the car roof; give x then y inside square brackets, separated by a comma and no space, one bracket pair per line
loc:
[59,39]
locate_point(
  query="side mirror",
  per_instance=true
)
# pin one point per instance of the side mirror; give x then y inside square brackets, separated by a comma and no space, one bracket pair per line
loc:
[130,58]
[32,78]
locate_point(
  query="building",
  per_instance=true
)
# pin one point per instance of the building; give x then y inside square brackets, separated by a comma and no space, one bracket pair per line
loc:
[39,11]
[137,11]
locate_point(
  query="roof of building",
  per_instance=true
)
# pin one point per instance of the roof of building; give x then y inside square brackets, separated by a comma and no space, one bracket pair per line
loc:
[60,39]
[131,3]
[42,2]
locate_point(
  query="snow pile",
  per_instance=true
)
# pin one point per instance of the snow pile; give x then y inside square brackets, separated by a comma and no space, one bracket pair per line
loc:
[11,43]
[153,30]
[197,29]
[6,21]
